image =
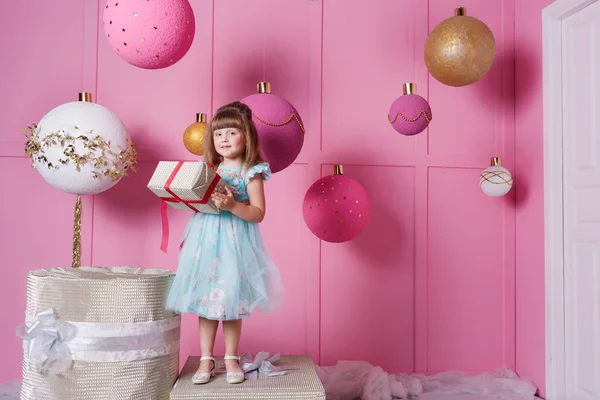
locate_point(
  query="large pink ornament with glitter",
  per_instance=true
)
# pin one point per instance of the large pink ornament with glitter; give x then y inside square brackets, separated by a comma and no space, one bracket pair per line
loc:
[279,127]
[149,34]
[410,114]
[336,208]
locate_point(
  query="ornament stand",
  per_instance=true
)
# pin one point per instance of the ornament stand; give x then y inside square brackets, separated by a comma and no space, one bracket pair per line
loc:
[93,332]
[76,256]
[64,139]
[76,259]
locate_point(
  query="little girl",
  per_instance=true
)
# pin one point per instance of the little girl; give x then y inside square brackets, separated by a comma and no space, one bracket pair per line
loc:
[224,272]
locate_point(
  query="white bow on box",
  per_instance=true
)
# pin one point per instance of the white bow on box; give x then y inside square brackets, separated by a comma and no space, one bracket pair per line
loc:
[44,341]
[261,364]
[51,345]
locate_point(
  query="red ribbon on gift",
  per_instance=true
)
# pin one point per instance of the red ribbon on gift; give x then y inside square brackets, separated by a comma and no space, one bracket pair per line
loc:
[175,199]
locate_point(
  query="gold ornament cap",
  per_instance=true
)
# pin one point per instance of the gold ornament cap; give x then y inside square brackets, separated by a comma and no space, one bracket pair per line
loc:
[85,96]
[496,162]
[338,169]
[201,117]
[409,88]
[263,87]
[460,11]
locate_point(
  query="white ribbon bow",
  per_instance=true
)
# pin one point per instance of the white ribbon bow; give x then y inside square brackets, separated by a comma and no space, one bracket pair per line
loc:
[51,345]
[262,364]
[44,340]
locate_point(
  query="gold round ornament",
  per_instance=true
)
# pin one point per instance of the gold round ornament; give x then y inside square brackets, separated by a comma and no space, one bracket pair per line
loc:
[193,137]
[460,50]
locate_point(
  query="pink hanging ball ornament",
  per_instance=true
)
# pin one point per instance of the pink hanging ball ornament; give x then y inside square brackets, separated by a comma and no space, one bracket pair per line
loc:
[149,34]
[280,128]
[336,208]
[410,114]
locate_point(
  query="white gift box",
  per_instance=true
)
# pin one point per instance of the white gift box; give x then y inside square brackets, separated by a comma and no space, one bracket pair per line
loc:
[187,185]
[99,333]
[300,382]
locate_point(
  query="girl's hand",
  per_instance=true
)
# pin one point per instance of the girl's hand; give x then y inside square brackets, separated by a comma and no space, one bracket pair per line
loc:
[224,201]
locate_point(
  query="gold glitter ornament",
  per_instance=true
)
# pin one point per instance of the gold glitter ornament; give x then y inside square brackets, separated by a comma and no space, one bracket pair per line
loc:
[460,50]
[193,136]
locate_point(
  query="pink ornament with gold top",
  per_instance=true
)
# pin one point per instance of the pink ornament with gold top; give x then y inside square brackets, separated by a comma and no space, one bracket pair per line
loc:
[279,127]
[149,34]
[410,114]
[336,208]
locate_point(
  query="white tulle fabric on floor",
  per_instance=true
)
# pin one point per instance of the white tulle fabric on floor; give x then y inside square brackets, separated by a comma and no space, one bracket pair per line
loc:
[10,390]
[349,380]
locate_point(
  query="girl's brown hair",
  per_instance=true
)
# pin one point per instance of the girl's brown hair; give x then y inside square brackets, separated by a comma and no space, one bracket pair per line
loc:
[233,115]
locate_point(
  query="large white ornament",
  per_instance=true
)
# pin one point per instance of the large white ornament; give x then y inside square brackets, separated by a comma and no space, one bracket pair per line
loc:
[495,180]
[81,147]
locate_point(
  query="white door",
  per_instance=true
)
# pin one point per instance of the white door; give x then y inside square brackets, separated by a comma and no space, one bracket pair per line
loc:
[581,188]
[580,77]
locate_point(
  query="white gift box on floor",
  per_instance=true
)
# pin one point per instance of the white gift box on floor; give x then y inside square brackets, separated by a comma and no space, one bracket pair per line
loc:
[99,333]
[300,382]
[187,185]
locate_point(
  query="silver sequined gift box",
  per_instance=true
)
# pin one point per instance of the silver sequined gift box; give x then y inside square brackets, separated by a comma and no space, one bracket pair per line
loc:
[300,382]
[99,333]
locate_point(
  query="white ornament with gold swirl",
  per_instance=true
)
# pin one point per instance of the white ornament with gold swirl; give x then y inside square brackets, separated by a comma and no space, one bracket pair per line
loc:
[495,180]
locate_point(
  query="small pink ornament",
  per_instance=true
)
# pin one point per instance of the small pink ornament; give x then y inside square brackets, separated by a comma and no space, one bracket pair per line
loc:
[279,127]
[149,34]
[410,114]
[336,208]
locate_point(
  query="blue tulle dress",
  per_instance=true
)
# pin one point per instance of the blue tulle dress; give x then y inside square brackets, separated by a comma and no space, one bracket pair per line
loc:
[224,272]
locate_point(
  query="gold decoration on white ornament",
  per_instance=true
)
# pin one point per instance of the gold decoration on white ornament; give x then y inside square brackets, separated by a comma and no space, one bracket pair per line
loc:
[81,147]
[495,180]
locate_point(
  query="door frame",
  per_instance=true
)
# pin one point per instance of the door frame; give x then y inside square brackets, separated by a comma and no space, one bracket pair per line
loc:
[552,17]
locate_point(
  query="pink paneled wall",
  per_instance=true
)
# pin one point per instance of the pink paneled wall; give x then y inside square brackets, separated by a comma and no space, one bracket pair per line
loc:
[430,284]
[530,350]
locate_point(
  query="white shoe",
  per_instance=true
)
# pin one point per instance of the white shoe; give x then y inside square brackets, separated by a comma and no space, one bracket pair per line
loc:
[234,377]
[201,378]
